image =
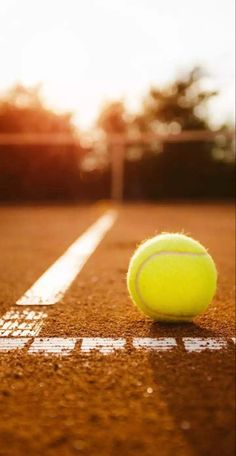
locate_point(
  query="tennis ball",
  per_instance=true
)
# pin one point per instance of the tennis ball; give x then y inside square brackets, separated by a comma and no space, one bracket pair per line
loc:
[171,277]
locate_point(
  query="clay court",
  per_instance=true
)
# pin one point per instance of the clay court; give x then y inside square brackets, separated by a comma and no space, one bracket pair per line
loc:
[89,374]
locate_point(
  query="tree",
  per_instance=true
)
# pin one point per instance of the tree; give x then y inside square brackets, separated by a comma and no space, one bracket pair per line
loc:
[179,106]
[113,118]
[23,111]
[36,170]
[182,169]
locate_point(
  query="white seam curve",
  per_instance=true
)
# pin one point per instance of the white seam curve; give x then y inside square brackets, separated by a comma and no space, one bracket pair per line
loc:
[53,284]
[156,254]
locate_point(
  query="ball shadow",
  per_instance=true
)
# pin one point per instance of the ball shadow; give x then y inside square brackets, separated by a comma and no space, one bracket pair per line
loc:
[198,389]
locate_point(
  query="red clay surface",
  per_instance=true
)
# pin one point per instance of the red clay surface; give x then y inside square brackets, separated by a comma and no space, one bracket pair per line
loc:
[132,402]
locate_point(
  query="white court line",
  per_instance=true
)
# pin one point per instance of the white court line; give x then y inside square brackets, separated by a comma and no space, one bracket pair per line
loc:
[161,344]
[8,344]
[26,323]
[199,344]
[53,345]
[52,285]
[64,346]
[105,345]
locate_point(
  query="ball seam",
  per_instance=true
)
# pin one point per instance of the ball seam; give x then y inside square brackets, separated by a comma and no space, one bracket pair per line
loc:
[168,252]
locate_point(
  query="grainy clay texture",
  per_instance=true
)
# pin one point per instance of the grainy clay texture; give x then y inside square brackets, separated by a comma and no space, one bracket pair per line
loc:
[133,401]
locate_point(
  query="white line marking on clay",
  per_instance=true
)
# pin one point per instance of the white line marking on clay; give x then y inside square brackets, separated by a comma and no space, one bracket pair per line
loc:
[199,344]
[53,345]
[103,345]
[26,323]
[107,345]
[8,344]
[157,344]
[53,284]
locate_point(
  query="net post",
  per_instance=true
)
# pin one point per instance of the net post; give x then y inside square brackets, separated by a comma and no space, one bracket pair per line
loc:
[117,146]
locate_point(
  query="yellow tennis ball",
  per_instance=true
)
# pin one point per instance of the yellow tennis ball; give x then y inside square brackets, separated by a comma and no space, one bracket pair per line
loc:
[171,277]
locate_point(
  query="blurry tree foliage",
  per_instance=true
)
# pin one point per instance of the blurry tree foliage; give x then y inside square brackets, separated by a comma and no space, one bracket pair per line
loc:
[179,106]
[113,118]
[22,111]
[178,169]
[151,171]
[36,171]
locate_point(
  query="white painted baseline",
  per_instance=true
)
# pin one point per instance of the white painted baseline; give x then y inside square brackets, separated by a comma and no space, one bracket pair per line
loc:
[64,346]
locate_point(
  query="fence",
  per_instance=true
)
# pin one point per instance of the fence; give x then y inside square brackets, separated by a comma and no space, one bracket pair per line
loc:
[39,166]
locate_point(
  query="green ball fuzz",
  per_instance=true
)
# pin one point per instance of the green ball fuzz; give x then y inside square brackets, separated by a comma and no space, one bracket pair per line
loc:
[172,277]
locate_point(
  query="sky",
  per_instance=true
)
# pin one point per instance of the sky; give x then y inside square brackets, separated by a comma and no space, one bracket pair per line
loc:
[87,52]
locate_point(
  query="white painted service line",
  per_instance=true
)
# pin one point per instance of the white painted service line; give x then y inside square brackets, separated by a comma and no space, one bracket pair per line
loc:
[106,346]
[199,344]
[161,344]
[53,284]
[64,346]
[26,323]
